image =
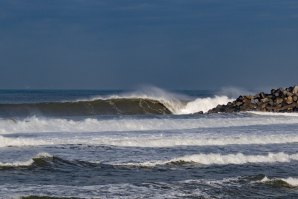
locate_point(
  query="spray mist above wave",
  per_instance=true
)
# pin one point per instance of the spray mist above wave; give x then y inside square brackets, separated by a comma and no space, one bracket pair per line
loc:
[233,92]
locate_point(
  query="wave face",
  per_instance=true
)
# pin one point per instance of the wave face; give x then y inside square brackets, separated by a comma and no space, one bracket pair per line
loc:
[87,108]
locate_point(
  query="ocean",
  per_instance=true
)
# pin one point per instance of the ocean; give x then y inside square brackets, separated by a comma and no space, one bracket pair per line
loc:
[149,143]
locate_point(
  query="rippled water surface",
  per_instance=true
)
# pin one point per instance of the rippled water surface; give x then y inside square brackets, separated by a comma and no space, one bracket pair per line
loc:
[243,155]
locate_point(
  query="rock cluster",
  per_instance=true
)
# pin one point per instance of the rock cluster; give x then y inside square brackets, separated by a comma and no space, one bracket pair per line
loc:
[278,100]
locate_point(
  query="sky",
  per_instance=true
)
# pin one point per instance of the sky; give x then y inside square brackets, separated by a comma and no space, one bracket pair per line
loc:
[172,44]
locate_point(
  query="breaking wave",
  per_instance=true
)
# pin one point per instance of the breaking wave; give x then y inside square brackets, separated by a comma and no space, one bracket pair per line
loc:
[43,159]
[40,124]
[25,163]
[219,159]
[153,141]
[154,101]
[47,160]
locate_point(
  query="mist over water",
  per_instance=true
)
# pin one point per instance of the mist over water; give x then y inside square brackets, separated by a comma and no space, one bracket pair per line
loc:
[234,92]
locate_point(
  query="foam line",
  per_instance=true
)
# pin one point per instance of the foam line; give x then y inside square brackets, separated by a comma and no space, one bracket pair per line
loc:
[219,159]
[152,141]
[274,114]
[39,125]
[204,159]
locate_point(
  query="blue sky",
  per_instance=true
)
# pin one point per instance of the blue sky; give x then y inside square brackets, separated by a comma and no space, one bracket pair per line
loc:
[174,44]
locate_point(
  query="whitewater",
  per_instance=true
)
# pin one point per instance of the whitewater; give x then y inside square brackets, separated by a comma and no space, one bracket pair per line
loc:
[148,143]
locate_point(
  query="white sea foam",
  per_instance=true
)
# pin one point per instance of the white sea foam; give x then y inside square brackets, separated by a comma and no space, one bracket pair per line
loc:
[274,114]
[4,142]
[188,140]
[219,159]
[24,163]
[202,104]
[290,180]
[38,125]
[148,140]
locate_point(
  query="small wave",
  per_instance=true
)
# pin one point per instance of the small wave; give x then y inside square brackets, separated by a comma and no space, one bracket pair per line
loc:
[153,141]
[39,124]
[47,160]
[43,159]
[284,182]
[219,159]
[24,163]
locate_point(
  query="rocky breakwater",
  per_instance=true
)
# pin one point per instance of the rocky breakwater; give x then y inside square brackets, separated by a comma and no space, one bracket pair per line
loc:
[278,100]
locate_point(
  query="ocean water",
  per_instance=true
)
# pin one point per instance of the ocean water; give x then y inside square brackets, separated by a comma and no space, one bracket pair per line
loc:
[142,144]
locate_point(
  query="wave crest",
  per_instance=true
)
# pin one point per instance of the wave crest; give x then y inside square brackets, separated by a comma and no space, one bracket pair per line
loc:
[25,163]
[148,140]
[283,182]
[219,159]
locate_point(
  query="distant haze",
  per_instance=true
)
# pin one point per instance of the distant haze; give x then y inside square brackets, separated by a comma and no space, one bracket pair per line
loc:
[173,44]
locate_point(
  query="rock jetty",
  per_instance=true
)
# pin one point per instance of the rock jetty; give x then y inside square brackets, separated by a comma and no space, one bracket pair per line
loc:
[278,100]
